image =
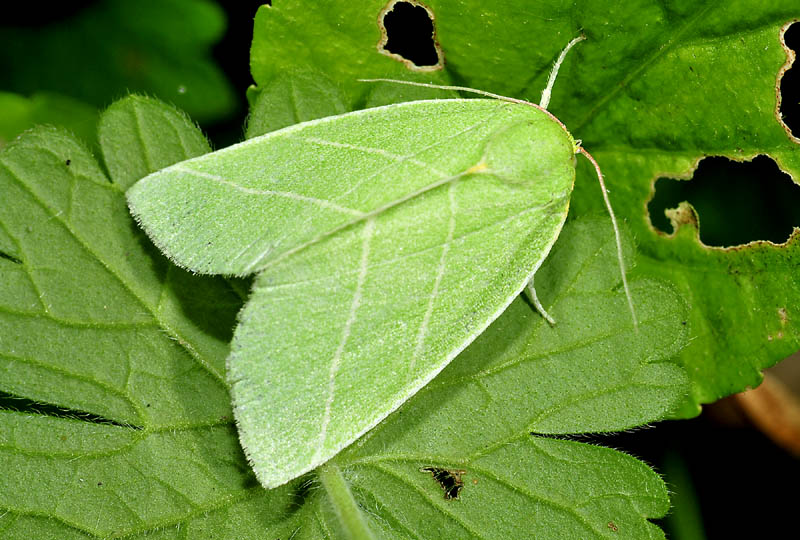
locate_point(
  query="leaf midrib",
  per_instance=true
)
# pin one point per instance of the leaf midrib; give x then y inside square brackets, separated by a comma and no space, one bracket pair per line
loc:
[646,62]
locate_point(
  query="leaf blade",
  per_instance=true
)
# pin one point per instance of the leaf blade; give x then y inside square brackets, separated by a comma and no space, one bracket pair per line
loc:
[110,350]
[216,492]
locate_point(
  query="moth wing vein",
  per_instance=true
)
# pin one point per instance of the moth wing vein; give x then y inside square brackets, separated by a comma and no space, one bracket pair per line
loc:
[368,233]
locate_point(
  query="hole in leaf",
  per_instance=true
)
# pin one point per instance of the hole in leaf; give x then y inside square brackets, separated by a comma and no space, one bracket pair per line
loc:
[790,83]
[10,402]
[736,202]
[409,35]
[449,479]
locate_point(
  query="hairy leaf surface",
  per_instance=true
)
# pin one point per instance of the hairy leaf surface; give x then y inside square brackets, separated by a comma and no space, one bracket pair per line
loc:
[115,359]
[115,414]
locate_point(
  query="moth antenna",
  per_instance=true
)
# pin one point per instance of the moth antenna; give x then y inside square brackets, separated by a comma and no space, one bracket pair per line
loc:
[545,101]
[616,234]
[446,87]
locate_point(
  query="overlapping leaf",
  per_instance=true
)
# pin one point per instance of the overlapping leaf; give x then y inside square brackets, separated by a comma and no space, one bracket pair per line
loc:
[95,321]
[656,86]
[21,113]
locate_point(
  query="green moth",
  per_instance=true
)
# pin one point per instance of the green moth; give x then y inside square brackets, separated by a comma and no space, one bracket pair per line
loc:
[384,241]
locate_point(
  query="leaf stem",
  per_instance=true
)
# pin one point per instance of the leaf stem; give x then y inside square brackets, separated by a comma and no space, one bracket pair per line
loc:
[350,517]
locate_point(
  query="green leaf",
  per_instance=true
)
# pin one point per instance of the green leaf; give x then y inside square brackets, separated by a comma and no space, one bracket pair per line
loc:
[384,240]
[140,135]
[640,93]
[744,298]
[111,48]
[94,321]
[21,113]
[140,343]
[291,98]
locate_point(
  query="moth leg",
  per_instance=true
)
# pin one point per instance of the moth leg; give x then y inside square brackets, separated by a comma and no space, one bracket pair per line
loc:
[529,288]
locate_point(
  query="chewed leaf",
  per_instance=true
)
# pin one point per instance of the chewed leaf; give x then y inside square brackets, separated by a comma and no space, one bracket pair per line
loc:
[384,240]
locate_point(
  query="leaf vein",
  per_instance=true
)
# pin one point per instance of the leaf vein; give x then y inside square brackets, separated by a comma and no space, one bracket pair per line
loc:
[80,377]
[646,61]
[440,506]
[111,271]
[137,122]
[580,518]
